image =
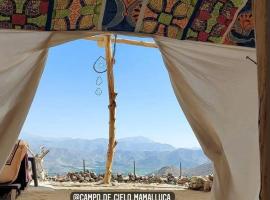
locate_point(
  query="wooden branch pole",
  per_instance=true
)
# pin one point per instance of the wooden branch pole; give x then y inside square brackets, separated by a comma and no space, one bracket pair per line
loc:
[180,170]
[262,18]
[112,107]
[125,41]
[134,168]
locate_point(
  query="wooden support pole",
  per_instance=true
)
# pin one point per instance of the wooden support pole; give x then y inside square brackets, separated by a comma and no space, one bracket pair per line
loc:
[84,170]
[262,19]
[112,107]
[134,168]
[125,41]
[180,169]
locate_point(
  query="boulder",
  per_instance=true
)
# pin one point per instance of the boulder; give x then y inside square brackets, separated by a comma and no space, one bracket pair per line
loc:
[73,178]
[207,186]
[93,175]
[211,177]
[119,178]
[196,183]
[182,181]
[126,179]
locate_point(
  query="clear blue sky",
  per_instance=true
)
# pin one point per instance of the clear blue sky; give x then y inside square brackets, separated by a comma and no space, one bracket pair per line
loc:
[66,105]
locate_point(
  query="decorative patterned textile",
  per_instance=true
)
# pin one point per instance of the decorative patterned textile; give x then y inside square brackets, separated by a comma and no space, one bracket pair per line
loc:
[75,15]
[218,21]
[167,17]
[213,19]
[121,15]
[242,32]
[23,14]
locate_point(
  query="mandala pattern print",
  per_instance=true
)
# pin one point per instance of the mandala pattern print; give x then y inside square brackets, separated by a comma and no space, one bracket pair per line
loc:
[23,14]
[76,14]
[121,15]
[218,21]
[213,19]
[242,32]
[167,17]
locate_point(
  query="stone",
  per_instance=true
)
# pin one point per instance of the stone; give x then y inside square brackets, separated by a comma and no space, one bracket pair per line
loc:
[93,175]
[196,183]
[211,177]
[119,178]
[182,181]
[207,186]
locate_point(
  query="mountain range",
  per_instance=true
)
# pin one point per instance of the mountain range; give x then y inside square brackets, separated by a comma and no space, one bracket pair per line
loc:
[67,154]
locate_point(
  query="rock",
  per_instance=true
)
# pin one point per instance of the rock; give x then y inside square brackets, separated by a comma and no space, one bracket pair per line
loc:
[92,180]
[182,181]
[196,183]
[163,180]
[132,177]
[171,179]
[119,178]
[99,178]
[93,175]
[207,186]
[73,178]
[126,179]
[211,177]
[151,179]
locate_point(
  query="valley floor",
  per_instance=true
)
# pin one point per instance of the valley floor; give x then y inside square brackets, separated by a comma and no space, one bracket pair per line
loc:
[50,191]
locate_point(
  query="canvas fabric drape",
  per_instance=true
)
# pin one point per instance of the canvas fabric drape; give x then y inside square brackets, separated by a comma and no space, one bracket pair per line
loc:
[22,58]
[216,87]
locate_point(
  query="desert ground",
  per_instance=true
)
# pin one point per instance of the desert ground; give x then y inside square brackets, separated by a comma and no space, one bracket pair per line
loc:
[49,191]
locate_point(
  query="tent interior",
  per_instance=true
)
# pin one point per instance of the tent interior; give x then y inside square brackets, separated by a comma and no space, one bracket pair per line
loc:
[208,47]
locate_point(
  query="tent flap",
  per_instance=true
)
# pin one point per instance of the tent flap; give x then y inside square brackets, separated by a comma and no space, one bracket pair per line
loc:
[216,87]
[22,55]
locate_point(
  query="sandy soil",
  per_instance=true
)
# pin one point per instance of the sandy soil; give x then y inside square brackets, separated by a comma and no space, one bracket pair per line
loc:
[62,192]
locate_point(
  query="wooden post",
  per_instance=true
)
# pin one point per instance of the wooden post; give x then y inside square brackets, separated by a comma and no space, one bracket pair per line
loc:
[180,168]
[84,166]
[112,106]
[134,168]
[262,19]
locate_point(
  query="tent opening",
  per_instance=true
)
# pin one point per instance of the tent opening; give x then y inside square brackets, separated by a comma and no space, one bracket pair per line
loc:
[70,118]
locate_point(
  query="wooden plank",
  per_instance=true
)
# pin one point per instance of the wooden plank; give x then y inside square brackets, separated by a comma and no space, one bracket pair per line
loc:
[262,18]
[112,107]
[126,41]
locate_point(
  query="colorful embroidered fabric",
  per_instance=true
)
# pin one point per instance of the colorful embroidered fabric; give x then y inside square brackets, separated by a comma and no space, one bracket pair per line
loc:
[23,14]
[242,33]
[218,21]
[75,15]
[121,15]
[167,18]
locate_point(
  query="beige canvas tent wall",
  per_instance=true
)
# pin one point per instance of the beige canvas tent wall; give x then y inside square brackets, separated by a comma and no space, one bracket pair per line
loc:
[216,86]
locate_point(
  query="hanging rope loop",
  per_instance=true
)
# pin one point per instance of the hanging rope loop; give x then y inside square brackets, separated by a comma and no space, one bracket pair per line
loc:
[100,67]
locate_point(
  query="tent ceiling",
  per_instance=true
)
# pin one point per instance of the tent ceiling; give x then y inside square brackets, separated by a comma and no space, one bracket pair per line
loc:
[217,21]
